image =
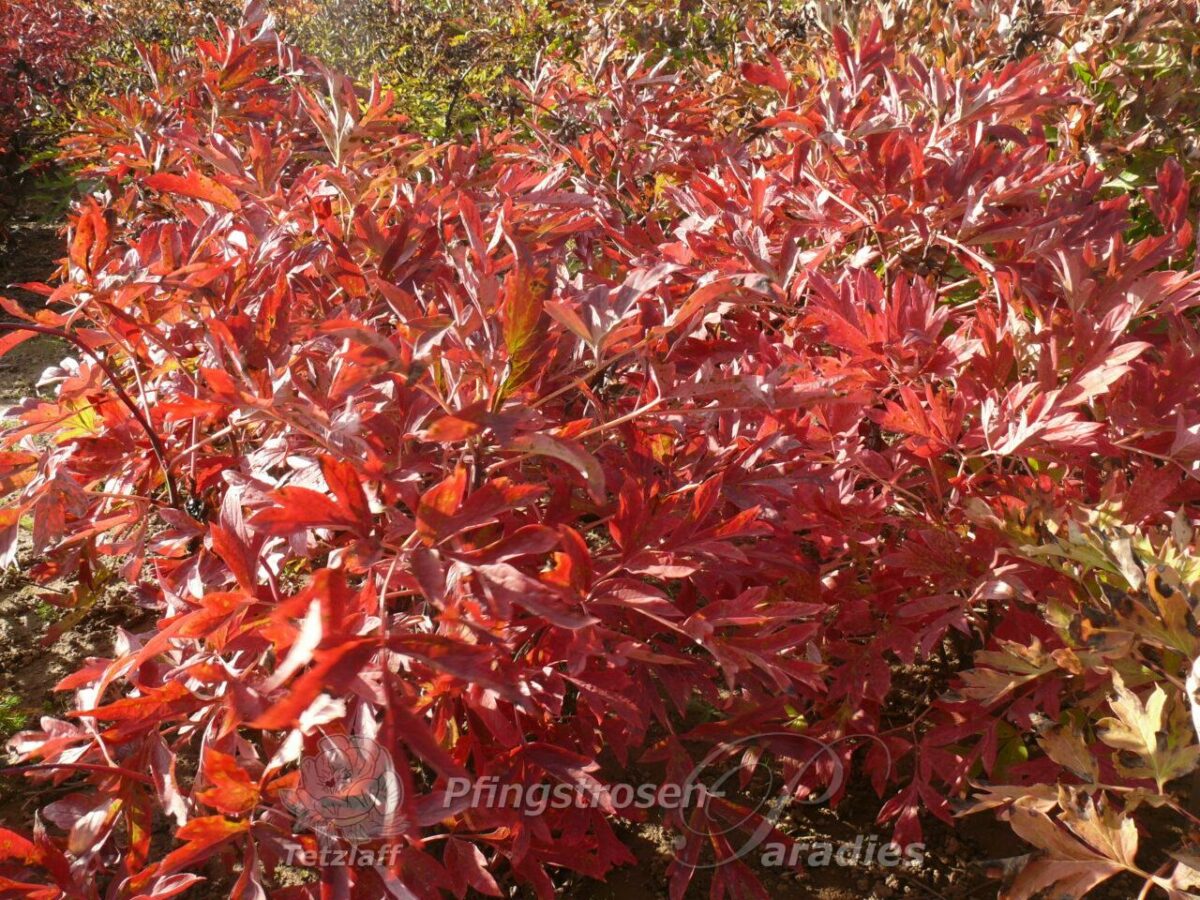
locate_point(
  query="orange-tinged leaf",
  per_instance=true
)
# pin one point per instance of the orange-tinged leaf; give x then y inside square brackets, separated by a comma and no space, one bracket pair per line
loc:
[525,293]
[332,672]
[450,429]
[237,554]
[161,703]
[344,481]
[201,838]
[90,240]
[196,186]
[300,508]
[232,790]
[440,502]
[14,846]
[17,468]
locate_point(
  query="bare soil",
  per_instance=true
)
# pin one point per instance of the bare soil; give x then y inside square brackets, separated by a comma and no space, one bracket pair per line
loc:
[32,658]
[28,253]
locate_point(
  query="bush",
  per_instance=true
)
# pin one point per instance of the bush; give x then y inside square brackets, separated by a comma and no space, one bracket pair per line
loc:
[456,65]
[689,410]
[1134,62]
[42,43]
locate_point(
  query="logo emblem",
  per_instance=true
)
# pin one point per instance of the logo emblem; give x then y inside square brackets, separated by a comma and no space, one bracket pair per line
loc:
[348,789]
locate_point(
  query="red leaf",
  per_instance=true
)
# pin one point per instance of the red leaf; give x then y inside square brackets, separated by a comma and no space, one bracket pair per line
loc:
[195,185]
[157,703]
[334,669]
[300,508]
[232,790]
[343,480]
[508,585]
[441,502]
[14,846]
[202,837]
[570,452]
[241,559]
[468,869]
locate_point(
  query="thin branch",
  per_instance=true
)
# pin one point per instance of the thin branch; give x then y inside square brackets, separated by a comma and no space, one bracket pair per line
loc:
[160,452]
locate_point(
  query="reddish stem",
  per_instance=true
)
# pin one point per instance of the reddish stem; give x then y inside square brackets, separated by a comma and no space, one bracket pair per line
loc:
[160,452]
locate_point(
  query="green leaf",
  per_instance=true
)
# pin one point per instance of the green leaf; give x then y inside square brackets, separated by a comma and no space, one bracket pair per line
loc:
[1150,748]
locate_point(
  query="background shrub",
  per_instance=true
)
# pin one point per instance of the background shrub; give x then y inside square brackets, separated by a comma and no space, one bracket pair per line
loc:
[712,398]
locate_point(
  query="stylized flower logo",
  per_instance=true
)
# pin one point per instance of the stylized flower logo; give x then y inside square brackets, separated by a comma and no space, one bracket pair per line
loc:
[782,760]
[349,790]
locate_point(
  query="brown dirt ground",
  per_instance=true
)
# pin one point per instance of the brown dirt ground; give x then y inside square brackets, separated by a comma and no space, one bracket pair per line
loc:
[31,663]
[28,255]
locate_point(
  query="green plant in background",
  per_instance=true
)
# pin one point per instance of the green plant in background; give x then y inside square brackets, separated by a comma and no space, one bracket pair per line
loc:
[43,51]
[1136,64]
[1139,70]
[453,64]
[12,717]
[48,612]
